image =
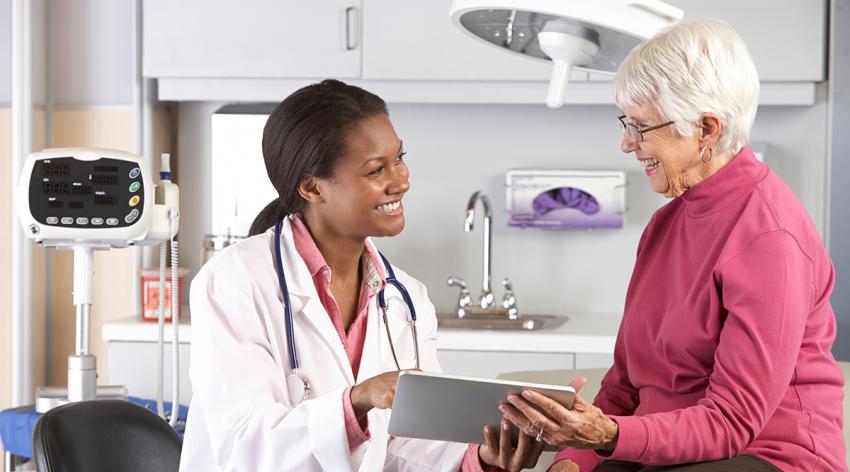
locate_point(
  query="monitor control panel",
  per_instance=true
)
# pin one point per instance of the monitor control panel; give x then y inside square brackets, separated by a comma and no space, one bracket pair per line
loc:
[73,193]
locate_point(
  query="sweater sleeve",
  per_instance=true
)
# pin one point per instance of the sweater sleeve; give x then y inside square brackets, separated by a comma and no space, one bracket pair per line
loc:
[766,293]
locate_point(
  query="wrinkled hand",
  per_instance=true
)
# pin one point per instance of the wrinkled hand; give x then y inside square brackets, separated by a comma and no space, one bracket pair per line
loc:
[375,392]
[498,452]
[565,465]
[584,426]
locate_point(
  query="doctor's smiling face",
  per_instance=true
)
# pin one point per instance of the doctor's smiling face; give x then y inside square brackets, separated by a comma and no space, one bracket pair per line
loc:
[363,195]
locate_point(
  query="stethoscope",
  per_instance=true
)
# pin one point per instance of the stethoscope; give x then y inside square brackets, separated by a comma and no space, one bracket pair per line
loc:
[297,385]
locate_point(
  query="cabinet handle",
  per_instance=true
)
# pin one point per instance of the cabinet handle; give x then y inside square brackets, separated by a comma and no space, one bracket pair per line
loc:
[350,24]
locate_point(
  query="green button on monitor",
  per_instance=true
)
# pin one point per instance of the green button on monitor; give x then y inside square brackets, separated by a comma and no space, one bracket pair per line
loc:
[134,186]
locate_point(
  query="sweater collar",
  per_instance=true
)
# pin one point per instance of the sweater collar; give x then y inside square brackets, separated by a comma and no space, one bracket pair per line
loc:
[721,189]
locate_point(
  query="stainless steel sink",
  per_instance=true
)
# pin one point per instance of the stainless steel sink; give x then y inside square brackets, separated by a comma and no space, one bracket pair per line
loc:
[524,323]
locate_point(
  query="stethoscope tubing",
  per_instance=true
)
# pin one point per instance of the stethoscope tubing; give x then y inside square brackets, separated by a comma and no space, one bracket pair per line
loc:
[287,310]
[390,280]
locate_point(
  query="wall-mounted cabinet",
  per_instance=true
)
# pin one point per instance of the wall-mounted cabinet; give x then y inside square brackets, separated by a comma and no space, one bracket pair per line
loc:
[409,51]
[786,39]
[416,40]
[251,39]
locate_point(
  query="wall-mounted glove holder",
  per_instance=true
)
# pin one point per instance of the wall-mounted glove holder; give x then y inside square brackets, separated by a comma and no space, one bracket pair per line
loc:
[565,198]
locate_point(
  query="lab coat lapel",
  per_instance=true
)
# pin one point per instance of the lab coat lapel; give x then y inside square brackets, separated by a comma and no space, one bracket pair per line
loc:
[306,304]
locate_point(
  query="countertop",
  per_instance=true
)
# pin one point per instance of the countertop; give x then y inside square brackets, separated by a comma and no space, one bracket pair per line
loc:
[135,329]
[582,333]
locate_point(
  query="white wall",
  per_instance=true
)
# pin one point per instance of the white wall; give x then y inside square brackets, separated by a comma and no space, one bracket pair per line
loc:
[456,149]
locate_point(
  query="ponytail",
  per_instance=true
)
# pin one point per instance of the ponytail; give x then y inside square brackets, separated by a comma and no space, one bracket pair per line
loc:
[267,217]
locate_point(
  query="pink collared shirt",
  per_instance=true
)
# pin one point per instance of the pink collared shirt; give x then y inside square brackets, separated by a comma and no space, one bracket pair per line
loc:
[374,281]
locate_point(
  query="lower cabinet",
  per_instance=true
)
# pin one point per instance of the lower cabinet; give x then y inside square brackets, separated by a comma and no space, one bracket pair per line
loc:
[489,364]
[133,364]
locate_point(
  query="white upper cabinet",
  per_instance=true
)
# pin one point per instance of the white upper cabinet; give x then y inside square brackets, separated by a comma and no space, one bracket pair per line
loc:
[252,38]
[786,38]
[409,51]
[416,40]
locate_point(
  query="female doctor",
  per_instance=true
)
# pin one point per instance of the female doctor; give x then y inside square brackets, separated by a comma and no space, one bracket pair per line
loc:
[315,395]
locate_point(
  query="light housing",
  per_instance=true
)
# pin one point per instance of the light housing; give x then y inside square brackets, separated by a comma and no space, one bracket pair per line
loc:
[592,35]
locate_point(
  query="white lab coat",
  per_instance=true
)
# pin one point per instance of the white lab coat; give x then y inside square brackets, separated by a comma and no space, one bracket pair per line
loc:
[241,417]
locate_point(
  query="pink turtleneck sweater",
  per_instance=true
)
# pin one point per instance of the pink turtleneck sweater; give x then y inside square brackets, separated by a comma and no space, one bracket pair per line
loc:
[724,346]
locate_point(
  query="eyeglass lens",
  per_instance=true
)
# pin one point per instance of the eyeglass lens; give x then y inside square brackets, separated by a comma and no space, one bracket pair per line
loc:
[631,130]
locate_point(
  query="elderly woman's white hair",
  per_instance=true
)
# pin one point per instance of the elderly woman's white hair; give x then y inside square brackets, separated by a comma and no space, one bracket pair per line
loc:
[691,68]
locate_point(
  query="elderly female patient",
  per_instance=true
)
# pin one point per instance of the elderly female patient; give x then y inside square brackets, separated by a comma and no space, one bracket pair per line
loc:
[722,361]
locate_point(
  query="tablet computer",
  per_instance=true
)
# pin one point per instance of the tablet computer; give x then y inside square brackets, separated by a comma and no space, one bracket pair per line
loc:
[453,408]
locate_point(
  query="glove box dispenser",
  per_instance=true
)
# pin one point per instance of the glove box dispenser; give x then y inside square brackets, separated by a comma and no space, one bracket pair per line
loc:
[565,198]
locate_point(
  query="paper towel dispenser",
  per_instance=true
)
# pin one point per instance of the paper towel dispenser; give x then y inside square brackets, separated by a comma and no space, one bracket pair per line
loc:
[565,198]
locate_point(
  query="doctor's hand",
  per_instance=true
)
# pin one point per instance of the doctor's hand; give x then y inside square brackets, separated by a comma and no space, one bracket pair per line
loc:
[376,392]
[498,452]
[584,426]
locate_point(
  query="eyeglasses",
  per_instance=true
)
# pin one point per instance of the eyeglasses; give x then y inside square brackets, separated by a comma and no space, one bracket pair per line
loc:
[635,133]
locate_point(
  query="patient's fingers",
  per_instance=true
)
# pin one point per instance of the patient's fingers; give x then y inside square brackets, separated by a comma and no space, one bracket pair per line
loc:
[534,419]
[548,406]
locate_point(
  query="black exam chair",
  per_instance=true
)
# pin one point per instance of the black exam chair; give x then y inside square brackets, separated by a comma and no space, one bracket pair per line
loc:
[104,435]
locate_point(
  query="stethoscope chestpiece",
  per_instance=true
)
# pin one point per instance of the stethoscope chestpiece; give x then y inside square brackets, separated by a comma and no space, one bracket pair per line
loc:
[298,388]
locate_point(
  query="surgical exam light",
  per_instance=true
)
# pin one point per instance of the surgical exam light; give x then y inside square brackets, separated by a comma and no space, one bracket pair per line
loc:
[592,35]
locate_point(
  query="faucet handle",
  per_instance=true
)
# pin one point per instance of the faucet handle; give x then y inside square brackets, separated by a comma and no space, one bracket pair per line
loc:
[456,282]
[464,299]
[509,299]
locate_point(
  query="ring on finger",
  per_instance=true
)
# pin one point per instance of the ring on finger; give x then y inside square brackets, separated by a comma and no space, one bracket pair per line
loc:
[539,436]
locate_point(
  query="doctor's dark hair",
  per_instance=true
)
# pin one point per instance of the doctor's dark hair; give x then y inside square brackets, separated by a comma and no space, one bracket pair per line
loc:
[305,134]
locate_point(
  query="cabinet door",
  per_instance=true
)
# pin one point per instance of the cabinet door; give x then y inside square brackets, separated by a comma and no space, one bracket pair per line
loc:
[594,361]
[416,40]
[787,39]
[251,38]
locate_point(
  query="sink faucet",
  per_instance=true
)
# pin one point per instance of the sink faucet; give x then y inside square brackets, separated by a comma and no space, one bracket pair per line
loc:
[486,299]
